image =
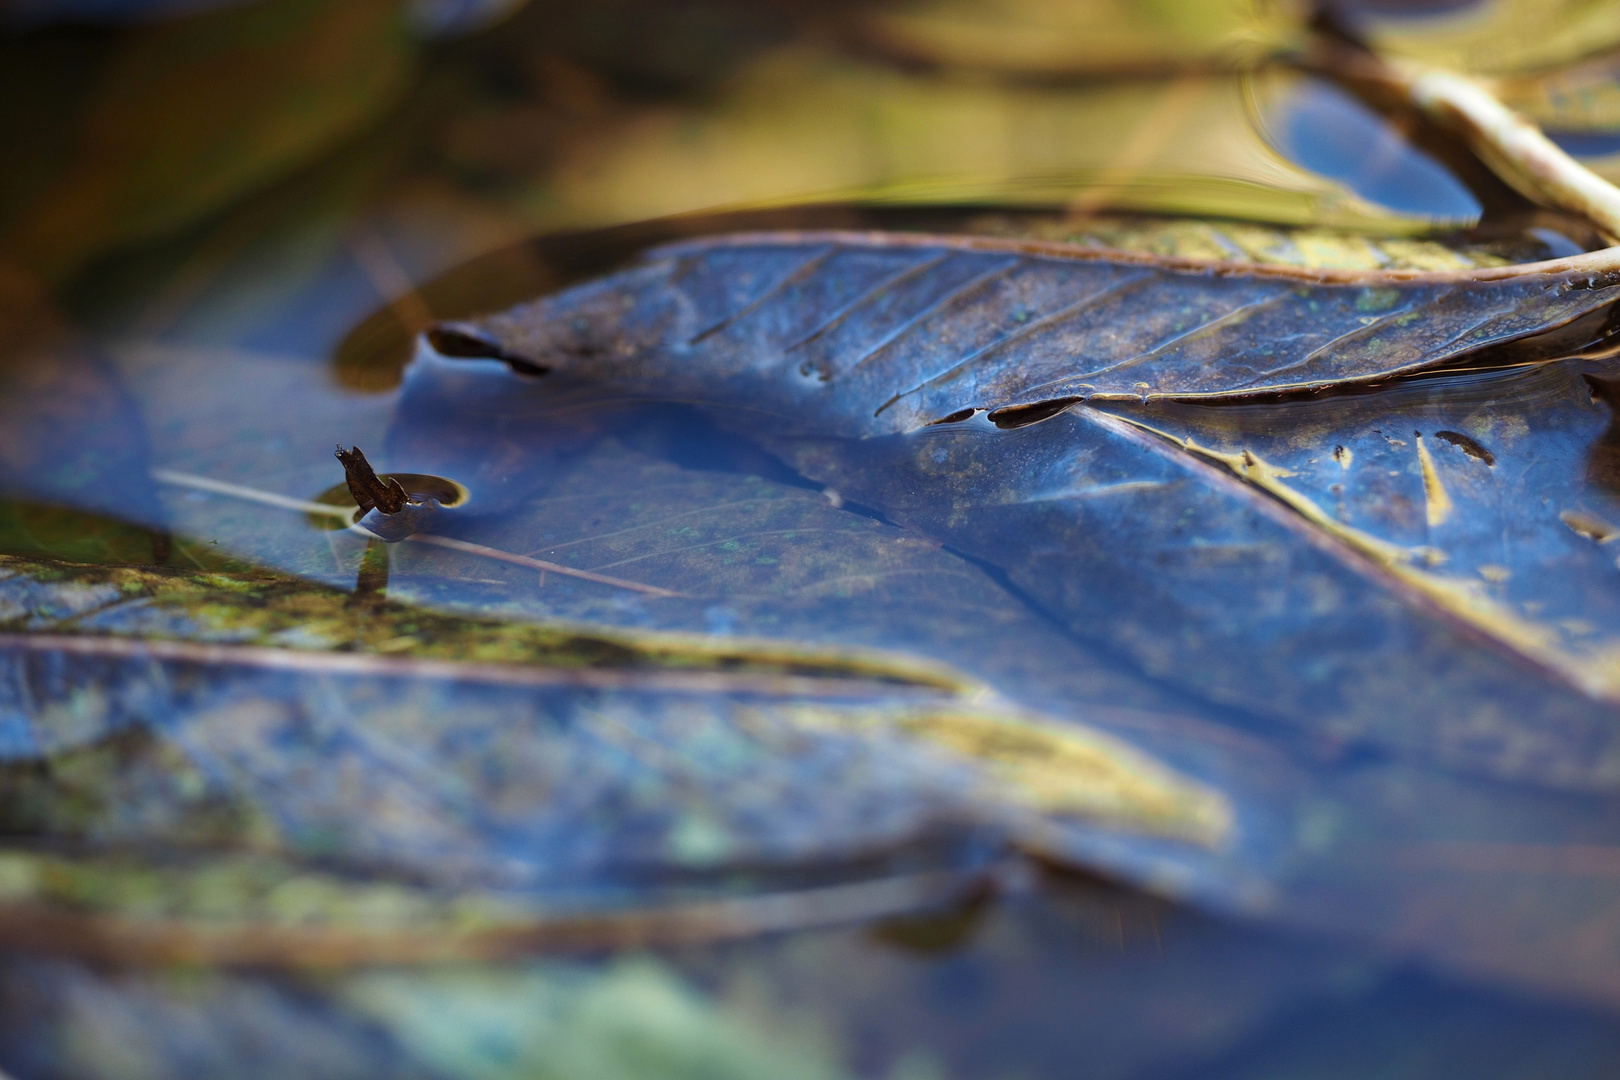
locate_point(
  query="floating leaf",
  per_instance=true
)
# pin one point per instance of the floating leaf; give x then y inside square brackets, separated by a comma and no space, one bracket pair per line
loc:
[1209,580]
[1489,493]
[1160,560]
[865,335]
[1060,611]
[372,354]
[825,334]
[685,659]
[1165,533]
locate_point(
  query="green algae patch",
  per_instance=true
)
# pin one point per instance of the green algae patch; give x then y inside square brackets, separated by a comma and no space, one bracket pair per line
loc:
[260,608]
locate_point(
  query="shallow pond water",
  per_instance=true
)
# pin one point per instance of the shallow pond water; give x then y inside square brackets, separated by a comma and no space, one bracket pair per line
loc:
[706,781]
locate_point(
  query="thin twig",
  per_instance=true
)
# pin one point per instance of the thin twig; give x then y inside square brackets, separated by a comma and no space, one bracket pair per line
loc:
[536,564]
[1513,147]
[285,502]
[1516,150]
[237,491]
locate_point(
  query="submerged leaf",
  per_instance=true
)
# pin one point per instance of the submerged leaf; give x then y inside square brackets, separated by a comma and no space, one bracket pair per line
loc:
[633,1020]
[256,608]
[553,789]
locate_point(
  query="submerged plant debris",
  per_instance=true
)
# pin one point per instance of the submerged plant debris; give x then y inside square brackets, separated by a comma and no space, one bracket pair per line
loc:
[712,756]
[1086,535]
[368,490]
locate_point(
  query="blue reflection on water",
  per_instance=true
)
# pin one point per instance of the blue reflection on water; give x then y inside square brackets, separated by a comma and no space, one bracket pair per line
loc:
[1328,131]
[1587,143]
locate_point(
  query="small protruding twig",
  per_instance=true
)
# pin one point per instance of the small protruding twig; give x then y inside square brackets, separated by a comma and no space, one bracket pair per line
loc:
[1512,147]
[368,489]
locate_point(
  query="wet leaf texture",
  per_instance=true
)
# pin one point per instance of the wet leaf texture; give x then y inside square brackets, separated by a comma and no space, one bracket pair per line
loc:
[1191,553]
[866,335]
[1198,573]
[1053,562]
[1373,727]
[526,783]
